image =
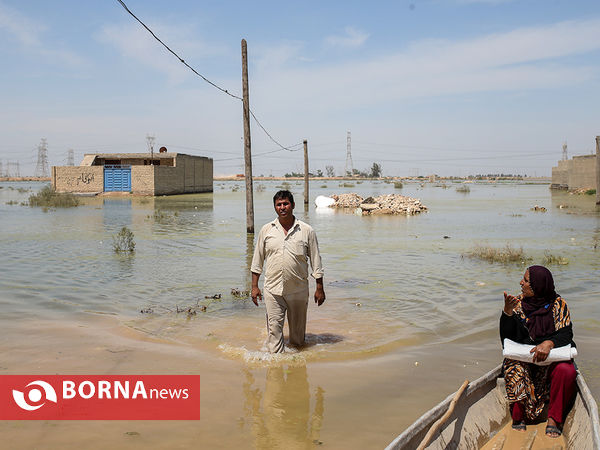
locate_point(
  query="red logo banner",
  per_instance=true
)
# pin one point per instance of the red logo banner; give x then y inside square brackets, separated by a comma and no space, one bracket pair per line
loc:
[100,397]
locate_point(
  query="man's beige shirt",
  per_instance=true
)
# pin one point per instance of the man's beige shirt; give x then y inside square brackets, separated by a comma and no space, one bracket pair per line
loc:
[287,257]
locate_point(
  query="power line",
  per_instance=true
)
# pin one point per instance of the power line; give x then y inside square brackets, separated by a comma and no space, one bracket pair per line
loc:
[198,73]
[175,54]
[289,149]
[465,158]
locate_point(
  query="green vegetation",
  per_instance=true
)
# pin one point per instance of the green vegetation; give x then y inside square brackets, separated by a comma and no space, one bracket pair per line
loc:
[123,241]
[590,192]
[464,189]
[504,255]
[398,184]
[260,188]
[347,185]
[323,186]
[550,259]
[49,198]
[375,170]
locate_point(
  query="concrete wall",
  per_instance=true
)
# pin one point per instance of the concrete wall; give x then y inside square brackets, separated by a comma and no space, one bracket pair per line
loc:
[576,173]
[190,174]
[78,178]
[142,180]
[582,173]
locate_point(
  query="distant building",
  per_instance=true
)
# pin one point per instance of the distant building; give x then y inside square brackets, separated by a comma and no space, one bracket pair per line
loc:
[576,173]
[162,173]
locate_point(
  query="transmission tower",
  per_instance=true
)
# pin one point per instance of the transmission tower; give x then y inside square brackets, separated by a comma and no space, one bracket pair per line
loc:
[1,170]
[18,170]
[150,140]
[349,164]
[41,168]
[565,157]
[70,157]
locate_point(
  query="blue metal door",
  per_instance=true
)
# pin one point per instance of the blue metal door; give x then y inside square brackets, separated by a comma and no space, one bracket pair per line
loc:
[117,178]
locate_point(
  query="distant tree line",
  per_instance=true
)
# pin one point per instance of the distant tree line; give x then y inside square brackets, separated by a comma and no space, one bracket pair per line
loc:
[375,172]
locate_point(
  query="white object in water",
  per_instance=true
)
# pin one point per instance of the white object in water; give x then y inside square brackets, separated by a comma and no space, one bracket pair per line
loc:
[324,201]
[521,352]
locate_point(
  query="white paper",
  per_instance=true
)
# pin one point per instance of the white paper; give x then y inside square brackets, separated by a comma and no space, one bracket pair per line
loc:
[521,352]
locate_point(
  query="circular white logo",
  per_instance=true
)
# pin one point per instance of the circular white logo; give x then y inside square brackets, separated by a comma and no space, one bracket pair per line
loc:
[35,396]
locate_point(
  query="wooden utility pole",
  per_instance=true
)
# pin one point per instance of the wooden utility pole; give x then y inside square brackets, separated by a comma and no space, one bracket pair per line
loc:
[597,170]
[247,152]
[305,172]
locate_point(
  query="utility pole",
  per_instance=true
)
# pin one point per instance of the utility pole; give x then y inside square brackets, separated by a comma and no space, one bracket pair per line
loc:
[597,170]
[70,157]
[305,172]
[247,144]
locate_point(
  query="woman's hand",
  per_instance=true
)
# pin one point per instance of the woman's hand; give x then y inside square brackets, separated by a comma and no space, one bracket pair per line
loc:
[510,303]
[541,351]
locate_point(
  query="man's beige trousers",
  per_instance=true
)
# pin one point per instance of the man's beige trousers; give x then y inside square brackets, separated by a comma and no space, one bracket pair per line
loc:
[296,305]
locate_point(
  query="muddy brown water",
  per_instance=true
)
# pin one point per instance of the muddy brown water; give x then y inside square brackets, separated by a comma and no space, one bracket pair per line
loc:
[406,320]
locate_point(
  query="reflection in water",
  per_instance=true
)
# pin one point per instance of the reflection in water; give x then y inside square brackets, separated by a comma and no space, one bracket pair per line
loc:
[280,416]
[116,213]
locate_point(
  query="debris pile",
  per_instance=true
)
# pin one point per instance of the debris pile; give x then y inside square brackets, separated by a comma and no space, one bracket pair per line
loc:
[383,204]
[351,200]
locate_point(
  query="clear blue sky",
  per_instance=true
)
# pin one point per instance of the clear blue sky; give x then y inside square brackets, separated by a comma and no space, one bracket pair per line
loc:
[452,87]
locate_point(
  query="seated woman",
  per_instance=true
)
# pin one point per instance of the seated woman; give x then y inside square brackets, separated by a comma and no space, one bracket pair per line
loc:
[540,317]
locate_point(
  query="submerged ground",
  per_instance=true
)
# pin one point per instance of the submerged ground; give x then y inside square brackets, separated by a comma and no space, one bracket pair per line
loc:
[407,318]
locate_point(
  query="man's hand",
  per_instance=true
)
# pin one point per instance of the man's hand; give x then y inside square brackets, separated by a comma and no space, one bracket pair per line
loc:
[256,295]
[510,303]
[541,351]
[319,292]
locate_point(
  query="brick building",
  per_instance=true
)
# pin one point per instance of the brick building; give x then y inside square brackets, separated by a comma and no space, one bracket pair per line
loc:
[576,173]
[162,173]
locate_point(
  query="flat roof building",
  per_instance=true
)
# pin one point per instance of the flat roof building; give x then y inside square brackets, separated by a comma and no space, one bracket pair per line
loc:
[576,173]
[163,173]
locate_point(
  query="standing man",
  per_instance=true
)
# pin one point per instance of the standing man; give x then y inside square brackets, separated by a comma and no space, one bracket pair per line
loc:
[286,244]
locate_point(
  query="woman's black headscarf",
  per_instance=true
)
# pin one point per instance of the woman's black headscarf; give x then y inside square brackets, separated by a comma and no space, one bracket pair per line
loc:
[538,309]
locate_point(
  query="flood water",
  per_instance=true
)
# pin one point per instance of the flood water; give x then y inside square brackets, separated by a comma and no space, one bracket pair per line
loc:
[407,315]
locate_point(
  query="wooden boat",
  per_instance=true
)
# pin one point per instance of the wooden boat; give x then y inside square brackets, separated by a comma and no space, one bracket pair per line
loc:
[480,419]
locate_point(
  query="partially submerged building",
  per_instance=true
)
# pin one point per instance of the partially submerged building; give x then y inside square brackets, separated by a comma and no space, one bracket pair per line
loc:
[163,173]
[576,173]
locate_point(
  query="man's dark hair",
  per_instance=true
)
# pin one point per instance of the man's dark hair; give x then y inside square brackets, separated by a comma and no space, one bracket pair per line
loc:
[279,195]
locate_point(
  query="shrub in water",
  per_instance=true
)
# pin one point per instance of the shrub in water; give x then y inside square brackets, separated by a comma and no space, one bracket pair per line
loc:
[549,259]
[49,198]
[501,255]
[123,241]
